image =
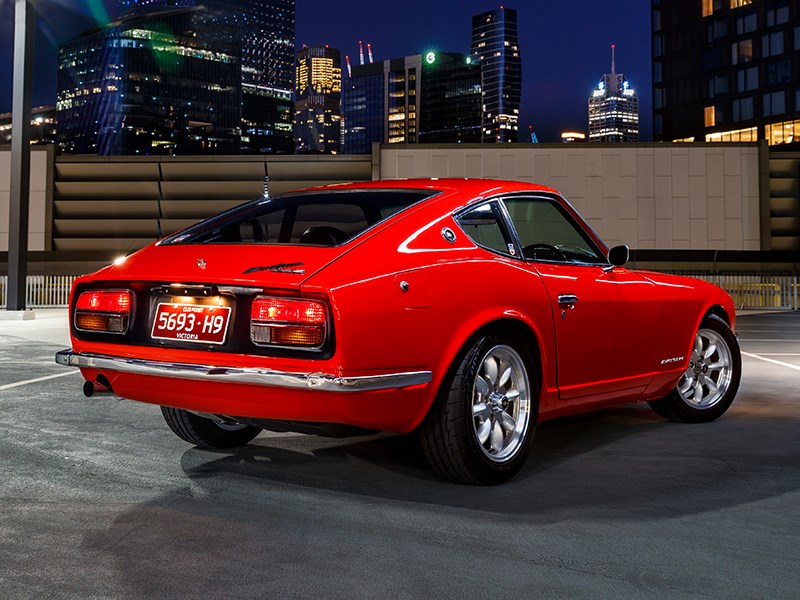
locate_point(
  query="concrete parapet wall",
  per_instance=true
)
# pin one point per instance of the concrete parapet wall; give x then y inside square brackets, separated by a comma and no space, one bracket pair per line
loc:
[664,196]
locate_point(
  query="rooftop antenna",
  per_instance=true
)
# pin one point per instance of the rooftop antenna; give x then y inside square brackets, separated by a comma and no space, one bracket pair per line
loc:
[361,52]
[369,52]
[349,68]
[613,65]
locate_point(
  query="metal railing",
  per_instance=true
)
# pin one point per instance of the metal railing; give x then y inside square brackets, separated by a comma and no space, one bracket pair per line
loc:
[756,290]
[42,291]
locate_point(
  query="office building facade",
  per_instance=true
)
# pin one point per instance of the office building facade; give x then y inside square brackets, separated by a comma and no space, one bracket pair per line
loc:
[495,45]
[433,98]
[613,109]
[149,85]
[726,70]
[363,108]
[450,106]
[317,108]
[263,33]
[42,128]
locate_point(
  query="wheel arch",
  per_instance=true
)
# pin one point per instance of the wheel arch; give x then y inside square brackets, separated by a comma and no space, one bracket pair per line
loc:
[508,326]
[718,311]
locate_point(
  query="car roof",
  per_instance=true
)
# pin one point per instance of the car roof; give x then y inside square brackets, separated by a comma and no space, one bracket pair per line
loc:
[452,190]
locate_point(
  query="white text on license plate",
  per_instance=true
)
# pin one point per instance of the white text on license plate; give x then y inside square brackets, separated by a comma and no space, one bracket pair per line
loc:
[207,324]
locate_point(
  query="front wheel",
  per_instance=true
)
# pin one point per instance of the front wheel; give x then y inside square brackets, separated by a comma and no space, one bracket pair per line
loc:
[206,433]
[480,430]
[707,388]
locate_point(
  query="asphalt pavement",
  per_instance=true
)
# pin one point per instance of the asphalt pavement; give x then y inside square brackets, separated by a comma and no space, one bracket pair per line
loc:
[98,499]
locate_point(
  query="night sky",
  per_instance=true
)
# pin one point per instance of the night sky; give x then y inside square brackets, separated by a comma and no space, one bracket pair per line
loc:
[565,45]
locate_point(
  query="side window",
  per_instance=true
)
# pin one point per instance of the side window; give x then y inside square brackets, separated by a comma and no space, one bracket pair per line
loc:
[482,225]
[546,233]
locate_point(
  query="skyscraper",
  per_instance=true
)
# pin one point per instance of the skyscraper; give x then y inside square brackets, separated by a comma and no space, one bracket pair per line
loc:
[263,33]
[613,109]
[726,71]
[495,45]
[317,109]
[450,104]
[362,108]
[148,84]
[435,98]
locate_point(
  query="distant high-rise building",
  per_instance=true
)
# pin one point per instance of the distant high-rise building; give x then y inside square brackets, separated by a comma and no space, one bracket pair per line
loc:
[568,137]
[317,109]
[613,109]
[450,105]
[495,45]
[148,84]
[263,33]
[435,98]
[43,126]
[726,71]
[362,108]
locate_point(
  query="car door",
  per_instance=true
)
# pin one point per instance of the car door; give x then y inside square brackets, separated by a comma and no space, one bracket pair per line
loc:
[605,319]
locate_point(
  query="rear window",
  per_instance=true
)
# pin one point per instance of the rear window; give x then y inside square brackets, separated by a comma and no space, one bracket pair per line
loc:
[306,219]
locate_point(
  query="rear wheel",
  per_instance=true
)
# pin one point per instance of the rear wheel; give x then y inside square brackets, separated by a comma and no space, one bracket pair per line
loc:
[481,429]
[707,388]
[207,433]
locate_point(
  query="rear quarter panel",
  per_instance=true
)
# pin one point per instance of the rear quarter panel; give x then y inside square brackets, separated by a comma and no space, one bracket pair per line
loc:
[453,291]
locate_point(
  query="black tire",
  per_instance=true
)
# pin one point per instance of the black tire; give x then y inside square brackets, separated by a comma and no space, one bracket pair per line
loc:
[205,433]
[709,403]
[450,434]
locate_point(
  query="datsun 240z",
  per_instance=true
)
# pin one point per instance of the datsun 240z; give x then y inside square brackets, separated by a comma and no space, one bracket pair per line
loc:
[465,310]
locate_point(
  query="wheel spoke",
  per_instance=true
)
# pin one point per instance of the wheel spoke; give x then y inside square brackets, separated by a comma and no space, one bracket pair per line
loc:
[481,386]
[716,366]
[712,386]
[484,430]
[490,368]
[698,391]
[496,437]
[685,385]
[512,395]
[481,411]
[504,377]
[507,422]
[710,351]
[698,345]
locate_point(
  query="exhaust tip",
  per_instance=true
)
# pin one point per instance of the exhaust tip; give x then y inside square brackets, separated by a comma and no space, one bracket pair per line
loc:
[101,387]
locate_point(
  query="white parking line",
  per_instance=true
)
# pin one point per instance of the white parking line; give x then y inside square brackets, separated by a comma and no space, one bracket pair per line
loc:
[8,386]
[770,360]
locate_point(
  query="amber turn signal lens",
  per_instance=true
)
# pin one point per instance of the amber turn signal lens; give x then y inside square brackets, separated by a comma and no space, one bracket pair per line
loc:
[100,322]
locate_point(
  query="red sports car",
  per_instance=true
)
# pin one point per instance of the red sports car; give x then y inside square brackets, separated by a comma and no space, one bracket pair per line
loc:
[467,310]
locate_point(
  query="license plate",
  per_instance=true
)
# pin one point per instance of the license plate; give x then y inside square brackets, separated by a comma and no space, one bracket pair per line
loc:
[202,323]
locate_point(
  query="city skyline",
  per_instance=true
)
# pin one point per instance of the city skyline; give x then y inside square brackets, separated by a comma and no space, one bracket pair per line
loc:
[563,48]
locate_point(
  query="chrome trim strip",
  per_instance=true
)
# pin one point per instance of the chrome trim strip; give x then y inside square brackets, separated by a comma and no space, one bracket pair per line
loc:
[245,375]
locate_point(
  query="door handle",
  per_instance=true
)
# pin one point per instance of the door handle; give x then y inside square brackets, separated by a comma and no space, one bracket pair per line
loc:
[567,299]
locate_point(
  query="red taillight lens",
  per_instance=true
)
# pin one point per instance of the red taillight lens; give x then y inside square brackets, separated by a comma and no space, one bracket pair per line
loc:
[287,322]
[103,310]
[116,301]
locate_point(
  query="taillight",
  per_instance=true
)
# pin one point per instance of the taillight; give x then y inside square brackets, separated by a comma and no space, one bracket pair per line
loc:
[103,310]
[288,322]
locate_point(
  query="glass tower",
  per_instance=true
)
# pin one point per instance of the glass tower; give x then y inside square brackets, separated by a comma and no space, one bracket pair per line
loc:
[317,110]
[149,85]
[613,109]
[362,108]
[263,33]
[495,45]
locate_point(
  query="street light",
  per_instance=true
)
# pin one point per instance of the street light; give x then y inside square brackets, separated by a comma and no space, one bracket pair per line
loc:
[24,23]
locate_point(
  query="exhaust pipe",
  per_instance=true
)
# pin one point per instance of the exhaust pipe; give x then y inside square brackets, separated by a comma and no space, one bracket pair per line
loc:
[101,387]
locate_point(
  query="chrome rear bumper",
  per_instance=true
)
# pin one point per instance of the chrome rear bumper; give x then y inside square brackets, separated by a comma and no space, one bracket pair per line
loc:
[244,375]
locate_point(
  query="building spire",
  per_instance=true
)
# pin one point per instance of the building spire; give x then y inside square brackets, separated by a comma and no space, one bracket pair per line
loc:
[613,64]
